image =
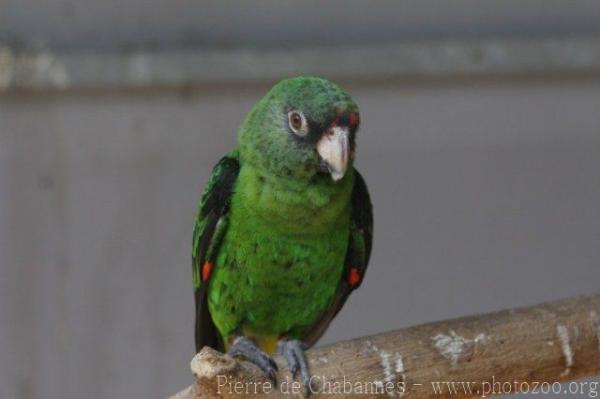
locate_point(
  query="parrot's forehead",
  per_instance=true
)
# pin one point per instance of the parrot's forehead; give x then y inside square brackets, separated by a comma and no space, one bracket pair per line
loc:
[313,95]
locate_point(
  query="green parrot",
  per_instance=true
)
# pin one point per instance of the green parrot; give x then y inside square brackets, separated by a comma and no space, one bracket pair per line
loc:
[284,228]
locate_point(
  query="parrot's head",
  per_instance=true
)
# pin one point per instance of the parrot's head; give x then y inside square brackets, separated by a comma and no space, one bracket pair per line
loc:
[304,127]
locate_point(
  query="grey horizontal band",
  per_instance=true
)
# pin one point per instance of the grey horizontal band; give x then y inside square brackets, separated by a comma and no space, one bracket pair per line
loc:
[48,70]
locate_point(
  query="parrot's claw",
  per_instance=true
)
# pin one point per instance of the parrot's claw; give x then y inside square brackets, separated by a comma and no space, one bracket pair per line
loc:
[245,347]
[293,352]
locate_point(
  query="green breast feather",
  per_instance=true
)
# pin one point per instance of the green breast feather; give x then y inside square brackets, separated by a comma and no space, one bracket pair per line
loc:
[282,257]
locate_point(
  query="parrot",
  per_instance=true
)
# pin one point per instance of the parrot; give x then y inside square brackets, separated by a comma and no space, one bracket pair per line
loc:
[284,228]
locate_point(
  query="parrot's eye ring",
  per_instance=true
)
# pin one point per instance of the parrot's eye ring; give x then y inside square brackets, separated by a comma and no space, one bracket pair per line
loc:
[297,123]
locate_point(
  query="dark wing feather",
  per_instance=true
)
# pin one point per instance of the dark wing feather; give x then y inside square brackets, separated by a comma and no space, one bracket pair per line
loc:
[211,224]
[357,255]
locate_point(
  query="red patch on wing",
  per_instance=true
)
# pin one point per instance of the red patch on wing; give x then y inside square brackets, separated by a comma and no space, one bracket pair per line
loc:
[206,270]
[354,277]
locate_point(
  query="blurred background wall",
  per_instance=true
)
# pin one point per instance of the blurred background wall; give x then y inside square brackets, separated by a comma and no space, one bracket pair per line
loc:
[480,142]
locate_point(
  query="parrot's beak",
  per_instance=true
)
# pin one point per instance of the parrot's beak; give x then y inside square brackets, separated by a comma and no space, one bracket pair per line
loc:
[333,148]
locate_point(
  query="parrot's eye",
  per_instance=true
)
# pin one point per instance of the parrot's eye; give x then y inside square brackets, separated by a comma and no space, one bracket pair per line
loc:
[297,123]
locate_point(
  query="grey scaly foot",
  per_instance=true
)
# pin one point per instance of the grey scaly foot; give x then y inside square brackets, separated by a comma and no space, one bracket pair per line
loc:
[245,347]
[293,353]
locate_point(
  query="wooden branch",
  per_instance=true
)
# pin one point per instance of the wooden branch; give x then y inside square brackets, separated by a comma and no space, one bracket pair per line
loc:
[512,351]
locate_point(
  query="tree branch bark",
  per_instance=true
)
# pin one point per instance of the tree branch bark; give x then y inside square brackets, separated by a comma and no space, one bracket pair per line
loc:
[484,354]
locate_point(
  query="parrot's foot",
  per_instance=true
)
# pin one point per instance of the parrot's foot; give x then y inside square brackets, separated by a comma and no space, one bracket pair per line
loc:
[293,352]
[245,347]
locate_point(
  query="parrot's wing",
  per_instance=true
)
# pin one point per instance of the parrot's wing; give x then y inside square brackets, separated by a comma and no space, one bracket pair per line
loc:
[210,227]
[357,255]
